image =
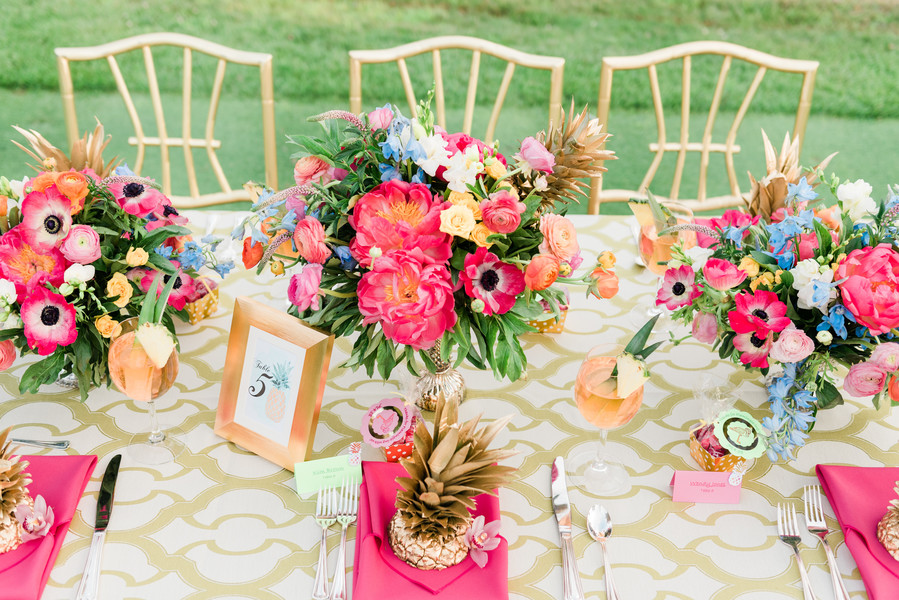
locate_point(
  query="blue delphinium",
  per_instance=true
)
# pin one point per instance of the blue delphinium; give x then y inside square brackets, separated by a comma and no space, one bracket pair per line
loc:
[191,256]
[792,414]
[836,320]
[801,192]
[347,262]
[223,268]
[165,251]
[389,172]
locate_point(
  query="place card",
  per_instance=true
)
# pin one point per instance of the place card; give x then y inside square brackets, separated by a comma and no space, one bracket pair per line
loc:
[705,486]
[313,475]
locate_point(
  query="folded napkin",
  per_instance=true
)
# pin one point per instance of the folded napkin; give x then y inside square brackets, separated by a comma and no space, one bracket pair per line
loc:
[379,574]
[61,481]
[860,497]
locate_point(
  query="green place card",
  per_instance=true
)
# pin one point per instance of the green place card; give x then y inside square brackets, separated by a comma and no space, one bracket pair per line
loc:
[313,475]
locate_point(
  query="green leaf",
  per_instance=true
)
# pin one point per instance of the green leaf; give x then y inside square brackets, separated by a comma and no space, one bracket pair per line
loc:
[148,308]
[638,342]
[762,258]
[825,242]
[42,372]
[161,303]
[828,395]
[162,263]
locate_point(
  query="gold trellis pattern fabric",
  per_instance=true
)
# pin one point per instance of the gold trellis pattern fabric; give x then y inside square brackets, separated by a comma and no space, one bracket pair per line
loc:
[224,523]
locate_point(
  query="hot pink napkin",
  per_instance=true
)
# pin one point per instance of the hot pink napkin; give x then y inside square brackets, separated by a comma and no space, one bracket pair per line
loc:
[379,574]
[860,497]
[61,481]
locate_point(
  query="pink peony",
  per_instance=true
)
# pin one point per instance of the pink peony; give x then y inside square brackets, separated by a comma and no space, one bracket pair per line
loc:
[27,266]
[864,379]
[559,238]
[481,539]
[758,311]
[82,245]
[46,218]
[753,348]
[705,327]
[311,169]
[496,283]
[886,356]
[501,212]
[536,156]
[303,291]
[870,287]
[679,288]
[7,354]
[380,118]
[137,198]
[410,297]
[730,218]
[399,215]
[309,237]
[722,275]
[48,321]
[792,345]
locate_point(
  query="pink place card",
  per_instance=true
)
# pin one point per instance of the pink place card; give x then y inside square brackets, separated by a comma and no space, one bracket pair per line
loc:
[705,486]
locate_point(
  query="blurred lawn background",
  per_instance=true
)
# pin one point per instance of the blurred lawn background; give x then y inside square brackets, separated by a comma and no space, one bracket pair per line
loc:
[854,110]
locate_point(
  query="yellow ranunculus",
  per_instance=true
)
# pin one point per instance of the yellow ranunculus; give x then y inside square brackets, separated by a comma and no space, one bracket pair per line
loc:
[479,235]
[766,279]
[466,199]
[606,260]
[749,266]
[496,169]
[120,287]
[457,220]
[136,257]
[108,327]
[277,267]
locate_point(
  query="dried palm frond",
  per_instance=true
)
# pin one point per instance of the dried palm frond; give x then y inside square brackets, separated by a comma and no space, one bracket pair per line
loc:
[13,480]
[86,153]
[769,194]
[577,144]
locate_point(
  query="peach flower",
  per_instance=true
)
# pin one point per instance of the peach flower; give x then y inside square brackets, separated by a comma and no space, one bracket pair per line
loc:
[559,237]
[542,272]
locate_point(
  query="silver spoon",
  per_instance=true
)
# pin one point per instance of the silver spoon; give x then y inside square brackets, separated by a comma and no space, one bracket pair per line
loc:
[599,525]
[61,445]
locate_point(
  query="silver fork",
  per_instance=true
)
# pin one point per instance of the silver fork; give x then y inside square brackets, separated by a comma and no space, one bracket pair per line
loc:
[325,516]
[788,531]
[814,520]
[346,516]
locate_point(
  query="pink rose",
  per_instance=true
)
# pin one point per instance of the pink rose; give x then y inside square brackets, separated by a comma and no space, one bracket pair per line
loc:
[864,379]
[303,291]
[380,118]
[559,238]
[886,356]
[410,297]
[705,327]
[309,237]
[7,354]
[501,212]
[536,156]
[722,275]
[870,287]
[311,169]
[82,245]
[792,345]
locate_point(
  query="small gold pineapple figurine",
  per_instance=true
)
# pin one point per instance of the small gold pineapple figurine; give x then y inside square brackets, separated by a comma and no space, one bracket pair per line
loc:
[12,493]
[888,528]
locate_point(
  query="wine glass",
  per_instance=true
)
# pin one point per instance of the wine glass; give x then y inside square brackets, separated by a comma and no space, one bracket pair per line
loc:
[655,250]
[137,377]
[598,401]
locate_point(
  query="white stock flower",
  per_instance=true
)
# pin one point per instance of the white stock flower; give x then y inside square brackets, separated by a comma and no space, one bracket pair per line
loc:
[437,156]
[817,293]
[856,199]
[463,169]
[698,256]
[13,321]
[18,187]
[804,273]
[7,291]
[78,274]
[418,129]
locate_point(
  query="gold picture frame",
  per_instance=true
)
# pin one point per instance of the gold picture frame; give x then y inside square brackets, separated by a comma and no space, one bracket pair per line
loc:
[275,372]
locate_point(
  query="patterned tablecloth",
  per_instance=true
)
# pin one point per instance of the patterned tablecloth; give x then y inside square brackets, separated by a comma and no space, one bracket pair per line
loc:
[224,523]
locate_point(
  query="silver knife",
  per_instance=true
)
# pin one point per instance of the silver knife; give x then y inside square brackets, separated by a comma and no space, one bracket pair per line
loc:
[90,581]
[571,579]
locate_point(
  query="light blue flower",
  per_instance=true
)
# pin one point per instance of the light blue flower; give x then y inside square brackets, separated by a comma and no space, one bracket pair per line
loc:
[347,262]
[735,234]
[165,251]
[258,236]
[419,176]
[223,268]
[836,319]
[191,256]
[389,172]
[801,191]
[124,171]
[289,222]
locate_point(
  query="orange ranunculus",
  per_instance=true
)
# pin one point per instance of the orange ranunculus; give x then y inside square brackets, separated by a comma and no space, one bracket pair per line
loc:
[3,205]
[830,217]
[252,253]
[541,272]
[285,249]
[604,284]
[42,181]
[73,185]
[893,389]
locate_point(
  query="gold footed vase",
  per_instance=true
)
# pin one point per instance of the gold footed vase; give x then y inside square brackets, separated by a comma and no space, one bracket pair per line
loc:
[445,382]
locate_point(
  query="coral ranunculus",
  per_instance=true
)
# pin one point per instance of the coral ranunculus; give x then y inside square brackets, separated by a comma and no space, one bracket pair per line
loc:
[303,291]
[870,287]
[722,275]
[502,212]
[792,346]
[487,278]
[309,237]
[311,169]
[541,272]
[48,321]
[604,284]
[73,186]
[559,237]
[409,296]
[7,354]
[864,379]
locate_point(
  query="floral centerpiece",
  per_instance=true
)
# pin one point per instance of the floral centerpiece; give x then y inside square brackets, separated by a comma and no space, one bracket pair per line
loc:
[811,291]
[422,240]
[79,249]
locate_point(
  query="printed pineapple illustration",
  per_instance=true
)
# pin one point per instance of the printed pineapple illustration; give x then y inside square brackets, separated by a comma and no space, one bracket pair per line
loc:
[276,400]
[888,528]
[12,493]
[446,471]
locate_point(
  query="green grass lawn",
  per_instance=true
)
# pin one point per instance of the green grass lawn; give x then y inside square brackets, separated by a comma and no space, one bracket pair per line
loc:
[854,110]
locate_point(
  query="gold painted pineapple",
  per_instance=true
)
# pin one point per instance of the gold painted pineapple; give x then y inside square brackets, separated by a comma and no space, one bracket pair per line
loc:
[276,401]
[888,528]
[12,493]
[446,470]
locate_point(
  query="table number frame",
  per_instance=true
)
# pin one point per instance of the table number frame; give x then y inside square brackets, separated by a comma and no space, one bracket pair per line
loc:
[270,332]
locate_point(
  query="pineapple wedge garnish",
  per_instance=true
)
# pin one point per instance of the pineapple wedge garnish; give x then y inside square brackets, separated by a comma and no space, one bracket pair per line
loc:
[157,342]
[632,374]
